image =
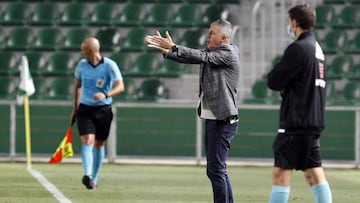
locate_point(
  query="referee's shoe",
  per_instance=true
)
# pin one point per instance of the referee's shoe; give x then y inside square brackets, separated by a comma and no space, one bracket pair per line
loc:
[89,184]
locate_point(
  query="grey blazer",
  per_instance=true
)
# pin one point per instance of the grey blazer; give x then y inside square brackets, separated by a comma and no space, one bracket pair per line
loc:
[219,76]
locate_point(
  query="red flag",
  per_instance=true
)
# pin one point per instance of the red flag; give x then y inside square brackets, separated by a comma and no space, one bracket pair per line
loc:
[65,148]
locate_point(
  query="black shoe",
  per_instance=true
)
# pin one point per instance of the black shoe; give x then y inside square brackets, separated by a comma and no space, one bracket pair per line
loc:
[87,182]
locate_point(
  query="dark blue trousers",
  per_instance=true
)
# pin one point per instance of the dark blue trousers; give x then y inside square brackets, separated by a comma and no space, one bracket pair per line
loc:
[218,135]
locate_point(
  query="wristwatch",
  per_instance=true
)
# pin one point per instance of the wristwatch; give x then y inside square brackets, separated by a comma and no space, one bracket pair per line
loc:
[174,48]
[106,95]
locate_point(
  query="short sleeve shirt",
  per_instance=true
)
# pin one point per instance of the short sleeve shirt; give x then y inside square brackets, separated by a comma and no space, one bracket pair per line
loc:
[95,79]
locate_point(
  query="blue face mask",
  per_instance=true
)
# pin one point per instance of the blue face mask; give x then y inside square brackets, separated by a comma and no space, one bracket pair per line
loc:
[291,33]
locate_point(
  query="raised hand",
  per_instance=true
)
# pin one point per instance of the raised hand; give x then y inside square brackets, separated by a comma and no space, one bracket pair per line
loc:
[156,41]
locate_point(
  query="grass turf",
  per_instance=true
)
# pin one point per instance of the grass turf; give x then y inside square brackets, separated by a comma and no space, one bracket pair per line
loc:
[160,184]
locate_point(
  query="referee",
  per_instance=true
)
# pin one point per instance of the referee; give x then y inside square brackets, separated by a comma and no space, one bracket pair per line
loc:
[97,80]
[300,77]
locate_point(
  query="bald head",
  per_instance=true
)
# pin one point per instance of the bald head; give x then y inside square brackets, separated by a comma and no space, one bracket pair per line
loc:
[90,43]
[90,49]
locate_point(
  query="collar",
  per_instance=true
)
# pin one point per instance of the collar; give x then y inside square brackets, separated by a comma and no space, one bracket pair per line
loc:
[100,62]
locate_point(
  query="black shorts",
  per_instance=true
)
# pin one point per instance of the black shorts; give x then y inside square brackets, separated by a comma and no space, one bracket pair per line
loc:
[298,152]
[95,120]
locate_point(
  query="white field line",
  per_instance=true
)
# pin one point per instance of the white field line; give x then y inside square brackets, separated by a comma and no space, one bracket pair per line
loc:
[49,186]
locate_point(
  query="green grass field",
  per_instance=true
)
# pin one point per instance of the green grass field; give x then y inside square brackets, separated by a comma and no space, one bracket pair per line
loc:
[159,184]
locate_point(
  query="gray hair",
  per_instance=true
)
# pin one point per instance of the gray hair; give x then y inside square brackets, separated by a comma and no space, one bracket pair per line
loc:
[225,27]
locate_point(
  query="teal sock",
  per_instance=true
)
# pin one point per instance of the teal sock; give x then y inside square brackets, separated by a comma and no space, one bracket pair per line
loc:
[99,155]
[279,194]
[322,193]
[87,158]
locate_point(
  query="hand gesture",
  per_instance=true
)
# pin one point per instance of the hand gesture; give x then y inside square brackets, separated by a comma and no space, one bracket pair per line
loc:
[156,41]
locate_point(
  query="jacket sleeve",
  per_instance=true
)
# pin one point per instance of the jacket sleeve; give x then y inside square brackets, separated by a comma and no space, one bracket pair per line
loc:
[287,69]
[219,56]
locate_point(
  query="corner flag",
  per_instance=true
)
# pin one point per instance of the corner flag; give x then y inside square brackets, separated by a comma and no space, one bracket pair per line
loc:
[65,148]
[26,86]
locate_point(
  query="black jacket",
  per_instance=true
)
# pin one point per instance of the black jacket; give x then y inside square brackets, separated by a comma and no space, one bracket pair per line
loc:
[300,76]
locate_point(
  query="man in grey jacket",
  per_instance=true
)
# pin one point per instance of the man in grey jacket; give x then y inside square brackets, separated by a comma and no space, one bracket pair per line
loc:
[219,77]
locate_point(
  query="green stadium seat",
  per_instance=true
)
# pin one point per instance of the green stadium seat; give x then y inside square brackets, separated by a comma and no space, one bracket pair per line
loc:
[61,88]
[109,39]
[351,93]
[74,14]
[41,88]
[194,38]
[187,15]
[60,64]
[102,14]
[130,91]
[355,44]
[124,61]
[9,63]
[331,94]
[8,88]
[354,73]
[74,38]
[134,39]
[37,62]
[335,41]
[159,15]
[353,1]
[335,1]
[19,39]
[340,67]
[214,12]
[45,13]
[349,17]
[16,13]
[145,65]
[169,68]
[48,39]
[260,94]
[130,15]
[152,90]
[325,16]
[200,1]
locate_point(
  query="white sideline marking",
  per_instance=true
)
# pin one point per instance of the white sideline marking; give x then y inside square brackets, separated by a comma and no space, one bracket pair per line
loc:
[49,186]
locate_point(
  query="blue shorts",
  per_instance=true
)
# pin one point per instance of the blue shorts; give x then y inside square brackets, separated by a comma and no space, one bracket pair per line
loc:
[94,120]
[298,152]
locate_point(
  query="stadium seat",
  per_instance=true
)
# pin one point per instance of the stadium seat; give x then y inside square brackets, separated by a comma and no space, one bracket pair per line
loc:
[134,40]
[169,68]
[159,15]
[45,13]
[8,88]
[37,62]
[130,91]
[124,61]
[214,12]
[152,90]
[74,14]
[194,38]
[355,44]
[15,14]
[325,16]
[109,39]
[102,14]
[340,67]
[47,39]
[145,65]
[335,1]
[60,64]
[61,89]
[130,15]
[335,41]
[354,73]
[331,94]
[349,17]
[260,94]
[19,39]
[187,15]
[74,38]
[351,93]
[9,63]
[2,38]
[41,86]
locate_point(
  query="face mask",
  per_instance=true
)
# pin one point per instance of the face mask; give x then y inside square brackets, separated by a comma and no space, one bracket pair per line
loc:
[291,33]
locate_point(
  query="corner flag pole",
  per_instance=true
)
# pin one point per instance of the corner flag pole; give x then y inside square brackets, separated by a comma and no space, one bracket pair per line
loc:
[27,132]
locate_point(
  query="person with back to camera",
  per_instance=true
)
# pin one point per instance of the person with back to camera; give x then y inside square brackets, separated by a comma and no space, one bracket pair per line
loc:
[219,77]
[99,79]
[300,78]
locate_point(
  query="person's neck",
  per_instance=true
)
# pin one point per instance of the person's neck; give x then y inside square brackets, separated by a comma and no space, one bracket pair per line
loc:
[95,60]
